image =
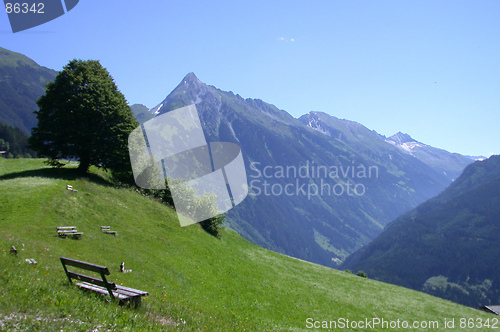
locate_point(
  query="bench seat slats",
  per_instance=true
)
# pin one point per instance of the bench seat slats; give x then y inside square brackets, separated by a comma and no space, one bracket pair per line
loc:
[101,290]
[119,293]
[126,293]
[65,231]
[136,291]
[94,281]
[107,230]
[72,234]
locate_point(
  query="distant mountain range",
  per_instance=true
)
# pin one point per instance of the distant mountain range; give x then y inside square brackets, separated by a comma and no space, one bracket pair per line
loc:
[328,226]
[451,164]
[321,187]
[448,246]
[141,113]
[22,82]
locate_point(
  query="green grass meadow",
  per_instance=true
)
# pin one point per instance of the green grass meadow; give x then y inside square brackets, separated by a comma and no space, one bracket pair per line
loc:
[195,281]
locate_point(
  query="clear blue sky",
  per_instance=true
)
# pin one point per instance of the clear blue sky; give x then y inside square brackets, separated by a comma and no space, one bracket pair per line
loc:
[427,68]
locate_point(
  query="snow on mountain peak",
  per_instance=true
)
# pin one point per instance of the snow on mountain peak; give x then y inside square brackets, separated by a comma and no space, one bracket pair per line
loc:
[401,138]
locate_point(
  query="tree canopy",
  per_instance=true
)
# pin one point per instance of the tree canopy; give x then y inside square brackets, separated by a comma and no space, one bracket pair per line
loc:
[84,116]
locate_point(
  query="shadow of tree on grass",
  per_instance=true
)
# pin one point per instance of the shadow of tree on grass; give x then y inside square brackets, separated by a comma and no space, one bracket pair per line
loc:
[69,174]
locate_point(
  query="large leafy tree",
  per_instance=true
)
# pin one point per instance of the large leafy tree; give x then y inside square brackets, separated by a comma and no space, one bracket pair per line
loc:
[83,116]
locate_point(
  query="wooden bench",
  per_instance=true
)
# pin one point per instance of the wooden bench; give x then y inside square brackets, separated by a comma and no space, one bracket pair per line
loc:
[102,286]
[107,230]
[66,231]
[70,188]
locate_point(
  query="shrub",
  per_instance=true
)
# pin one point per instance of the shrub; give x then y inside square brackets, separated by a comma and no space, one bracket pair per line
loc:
[212,225]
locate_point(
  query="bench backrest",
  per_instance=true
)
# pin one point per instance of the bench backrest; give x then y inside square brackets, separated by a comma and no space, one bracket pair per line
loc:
[102,270]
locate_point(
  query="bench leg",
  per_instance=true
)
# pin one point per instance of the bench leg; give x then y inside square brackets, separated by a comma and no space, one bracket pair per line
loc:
[131,301]
[137,301]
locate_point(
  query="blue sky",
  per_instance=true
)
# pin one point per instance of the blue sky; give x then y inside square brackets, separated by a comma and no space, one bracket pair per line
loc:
[427,68]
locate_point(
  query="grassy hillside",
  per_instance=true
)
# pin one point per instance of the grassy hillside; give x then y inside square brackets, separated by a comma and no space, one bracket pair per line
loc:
[196,282]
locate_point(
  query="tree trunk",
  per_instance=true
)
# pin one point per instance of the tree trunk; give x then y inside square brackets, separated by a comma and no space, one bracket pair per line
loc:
[84,165]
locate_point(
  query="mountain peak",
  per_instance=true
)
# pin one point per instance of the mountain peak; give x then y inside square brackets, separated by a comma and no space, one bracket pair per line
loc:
[191,77]
[190,80]
[189,91]
[401,138]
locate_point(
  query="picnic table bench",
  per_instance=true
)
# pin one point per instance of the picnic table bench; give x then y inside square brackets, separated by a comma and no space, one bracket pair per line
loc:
[107,230]
[102,286]
[66,231]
